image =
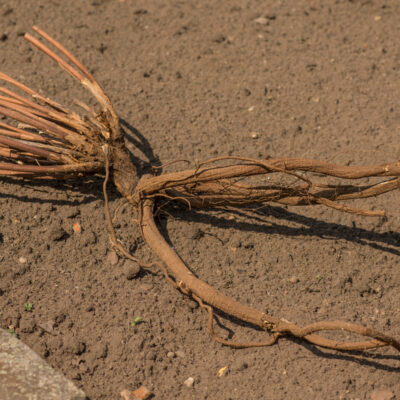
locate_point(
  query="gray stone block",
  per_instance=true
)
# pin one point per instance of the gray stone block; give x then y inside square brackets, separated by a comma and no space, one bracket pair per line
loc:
[25,376]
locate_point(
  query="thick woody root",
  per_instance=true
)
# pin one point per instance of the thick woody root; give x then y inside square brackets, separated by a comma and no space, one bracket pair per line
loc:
[222,186]
[204,293]
[53,141]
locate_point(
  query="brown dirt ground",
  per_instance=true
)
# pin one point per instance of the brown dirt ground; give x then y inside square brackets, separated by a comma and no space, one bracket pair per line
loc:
[195,80]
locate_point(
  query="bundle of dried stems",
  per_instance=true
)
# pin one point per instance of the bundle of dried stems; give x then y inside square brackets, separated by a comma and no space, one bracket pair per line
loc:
[52,141]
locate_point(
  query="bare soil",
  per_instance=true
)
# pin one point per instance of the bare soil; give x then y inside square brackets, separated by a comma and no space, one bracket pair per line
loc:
[194,80]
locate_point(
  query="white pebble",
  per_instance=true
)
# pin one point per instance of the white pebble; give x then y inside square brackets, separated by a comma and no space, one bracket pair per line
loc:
[22,260]
[189,382]
[261,21]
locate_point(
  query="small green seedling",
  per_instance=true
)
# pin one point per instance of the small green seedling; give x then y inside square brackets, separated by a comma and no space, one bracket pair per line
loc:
[28,307]
[318,277]
[136,321]
[12,332]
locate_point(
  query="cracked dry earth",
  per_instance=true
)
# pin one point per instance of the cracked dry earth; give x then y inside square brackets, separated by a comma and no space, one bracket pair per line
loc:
[196,80]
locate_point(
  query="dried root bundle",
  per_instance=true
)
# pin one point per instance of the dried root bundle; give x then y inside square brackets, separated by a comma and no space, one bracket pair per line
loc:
[52,141]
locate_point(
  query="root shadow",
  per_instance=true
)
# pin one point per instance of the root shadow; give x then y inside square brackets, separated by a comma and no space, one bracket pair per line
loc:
[309,227]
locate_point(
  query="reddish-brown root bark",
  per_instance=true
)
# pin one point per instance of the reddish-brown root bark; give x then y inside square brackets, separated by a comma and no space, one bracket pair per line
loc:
[194,286]
[57,142]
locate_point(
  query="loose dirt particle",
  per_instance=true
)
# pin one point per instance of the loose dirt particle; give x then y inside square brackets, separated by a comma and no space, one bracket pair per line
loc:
[112,258]
[131,269]
[384,394]
[56,234]
[180,353]
[126,394]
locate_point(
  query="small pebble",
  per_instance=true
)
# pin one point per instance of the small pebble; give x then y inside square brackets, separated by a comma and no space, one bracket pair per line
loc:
[377,18]
[261,21]
[384,394]
[22,260]
[180,353]
[131,270]
[223,371]
[126,394]
[77,228]
[254,135]
[251,108]
[170,354]
[294,279]
[189,382]
[142,393]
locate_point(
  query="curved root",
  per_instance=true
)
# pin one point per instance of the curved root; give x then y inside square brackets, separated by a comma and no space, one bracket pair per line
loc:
[210,298]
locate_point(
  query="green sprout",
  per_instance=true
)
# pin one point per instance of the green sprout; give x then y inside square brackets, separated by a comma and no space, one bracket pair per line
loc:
[28,307]
[11,331]
[136,321]
[318,277]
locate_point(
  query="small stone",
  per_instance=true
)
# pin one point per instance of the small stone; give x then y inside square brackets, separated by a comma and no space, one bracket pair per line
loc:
[131,270]
[112,258]
[142,393]
[377,18]
[223,371]
[3,37]
[180,353]
[189,382]
[250,109]
[384,394]
[254,135]
[77,228]
[126,394]
[171,354]
[261,21]
[293,279]
[22,260]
